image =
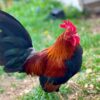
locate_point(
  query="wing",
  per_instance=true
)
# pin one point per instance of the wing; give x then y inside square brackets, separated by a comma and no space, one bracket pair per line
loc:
[36,64]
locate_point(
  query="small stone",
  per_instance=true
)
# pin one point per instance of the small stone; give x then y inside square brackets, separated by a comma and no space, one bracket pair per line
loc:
[91,86]
[88,71]
[86,85]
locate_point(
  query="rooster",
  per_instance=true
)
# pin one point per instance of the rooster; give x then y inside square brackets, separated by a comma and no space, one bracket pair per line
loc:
[54,65]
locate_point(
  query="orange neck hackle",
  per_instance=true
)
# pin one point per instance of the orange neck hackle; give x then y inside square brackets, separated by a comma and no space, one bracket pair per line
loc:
[56,55]
[60,49]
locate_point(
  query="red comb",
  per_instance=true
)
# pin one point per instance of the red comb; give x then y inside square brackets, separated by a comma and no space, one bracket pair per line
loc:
[68,25]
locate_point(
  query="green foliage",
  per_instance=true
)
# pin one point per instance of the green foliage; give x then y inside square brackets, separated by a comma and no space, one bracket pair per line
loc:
[65,90]
[72,12]
[19,75]
[39,94]
[1,90]
[34,9]
[1,70]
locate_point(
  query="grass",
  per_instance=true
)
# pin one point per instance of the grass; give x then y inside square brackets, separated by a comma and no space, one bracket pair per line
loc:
[1,90]
[40,95]
[85,85]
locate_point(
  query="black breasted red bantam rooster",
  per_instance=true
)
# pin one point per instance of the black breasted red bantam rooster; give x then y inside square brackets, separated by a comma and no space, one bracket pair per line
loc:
[54,65]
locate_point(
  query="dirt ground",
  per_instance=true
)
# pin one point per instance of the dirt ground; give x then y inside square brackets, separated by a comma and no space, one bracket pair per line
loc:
[16,87]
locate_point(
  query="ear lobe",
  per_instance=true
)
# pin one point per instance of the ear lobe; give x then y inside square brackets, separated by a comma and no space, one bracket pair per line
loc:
[75,40]
[77,37]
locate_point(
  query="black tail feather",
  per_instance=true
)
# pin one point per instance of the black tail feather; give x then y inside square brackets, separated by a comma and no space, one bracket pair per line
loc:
[15,43]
